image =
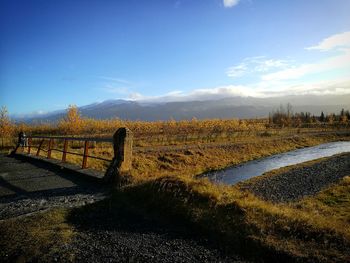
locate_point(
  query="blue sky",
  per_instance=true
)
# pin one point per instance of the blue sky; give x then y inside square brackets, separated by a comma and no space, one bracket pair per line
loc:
[56,53]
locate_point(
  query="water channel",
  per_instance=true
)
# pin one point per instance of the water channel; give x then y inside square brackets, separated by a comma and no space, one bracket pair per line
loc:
[244,171]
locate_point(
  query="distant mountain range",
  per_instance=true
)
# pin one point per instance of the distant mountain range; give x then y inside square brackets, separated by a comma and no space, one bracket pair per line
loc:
[234,107]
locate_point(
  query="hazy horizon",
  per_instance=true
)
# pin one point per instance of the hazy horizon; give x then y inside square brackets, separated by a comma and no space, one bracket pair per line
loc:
[58,53]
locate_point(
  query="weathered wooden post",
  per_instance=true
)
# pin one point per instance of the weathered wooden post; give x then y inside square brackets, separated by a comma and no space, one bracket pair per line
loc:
[39,148]
[65,147]
[49,149]
[86,153]
[29,144]
[118,171]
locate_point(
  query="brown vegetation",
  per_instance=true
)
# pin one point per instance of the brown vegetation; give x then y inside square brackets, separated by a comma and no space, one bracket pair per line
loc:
[6,127]
[169,155]
[314,229]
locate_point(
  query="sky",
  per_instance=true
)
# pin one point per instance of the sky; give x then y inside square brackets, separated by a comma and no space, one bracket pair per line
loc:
[56,53]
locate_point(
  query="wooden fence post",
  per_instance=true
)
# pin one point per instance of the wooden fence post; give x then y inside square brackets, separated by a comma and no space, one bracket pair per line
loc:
[119,169]
[122,145]
[65,146]
[39,148]
[29,144]
[49,149]
[85,156]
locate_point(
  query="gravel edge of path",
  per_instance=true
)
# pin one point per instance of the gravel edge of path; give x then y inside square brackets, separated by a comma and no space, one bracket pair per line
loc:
[292,183]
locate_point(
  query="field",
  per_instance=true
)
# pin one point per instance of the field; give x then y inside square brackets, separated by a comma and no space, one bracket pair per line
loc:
[185,147]
[168,156]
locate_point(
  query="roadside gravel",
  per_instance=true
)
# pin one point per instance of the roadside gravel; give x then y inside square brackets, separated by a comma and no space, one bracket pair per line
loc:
[123,236]
[300,181]
[22,205]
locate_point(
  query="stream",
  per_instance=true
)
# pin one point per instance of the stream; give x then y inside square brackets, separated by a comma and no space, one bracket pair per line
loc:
[244,171]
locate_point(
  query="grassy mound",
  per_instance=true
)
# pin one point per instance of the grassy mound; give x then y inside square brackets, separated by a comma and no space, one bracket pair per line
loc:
[243,223]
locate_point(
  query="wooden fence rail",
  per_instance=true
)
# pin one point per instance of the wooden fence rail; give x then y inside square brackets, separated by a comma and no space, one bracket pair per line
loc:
[118,171]
[119,142]
[50,140]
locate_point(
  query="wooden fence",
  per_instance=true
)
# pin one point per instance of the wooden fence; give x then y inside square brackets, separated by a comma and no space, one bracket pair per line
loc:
[49,141]
[121,141]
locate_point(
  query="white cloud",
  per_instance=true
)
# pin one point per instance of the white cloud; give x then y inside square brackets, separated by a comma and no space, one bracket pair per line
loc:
[201,94]
[333,63]
[254,65]
[260,90]
[136,96]
[230,3]
[237,71]
[319,88]
[221,92]
[267,65]
[336,41]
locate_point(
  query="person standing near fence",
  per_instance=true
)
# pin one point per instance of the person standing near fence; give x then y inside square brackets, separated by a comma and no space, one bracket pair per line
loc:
[22,140]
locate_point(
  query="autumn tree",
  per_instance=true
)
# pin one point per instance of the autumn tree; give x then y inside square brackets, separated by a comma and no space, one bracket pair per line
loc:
[343,118]
[6,127]
[282,116]
[72,123]
[330,118]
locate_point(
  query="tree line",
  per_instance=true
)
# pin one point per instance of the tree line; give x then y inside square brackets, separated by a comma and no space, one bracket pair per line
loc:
[74,124]
[285,117]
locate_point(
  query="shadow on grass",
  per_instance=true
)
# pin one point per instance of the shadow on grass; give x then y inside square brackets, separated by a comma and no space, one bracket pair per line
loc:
[185,209]
[141,211]
[116,224]
[118,214]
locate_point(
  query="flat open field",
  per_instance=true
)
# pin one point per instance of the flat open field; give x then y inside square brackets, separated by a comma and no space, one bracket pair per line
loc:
[297,213]
[189,147]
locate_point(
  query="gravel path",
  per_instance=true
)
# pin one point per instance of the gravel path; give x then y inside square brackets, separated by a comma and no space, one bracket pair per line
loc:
[299,182]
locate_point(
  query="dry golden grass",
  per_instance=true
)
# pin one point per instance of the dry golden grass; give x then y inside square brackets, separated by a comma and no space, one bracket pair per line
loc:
[198,158]
[246,224]
[315,229]
[332,203]
[34,237]
[202,159]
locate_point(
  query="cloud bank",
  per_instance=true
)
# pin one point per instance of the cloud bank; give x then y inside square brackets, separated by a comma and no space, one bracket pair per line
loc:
[340,86]
[275,76]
